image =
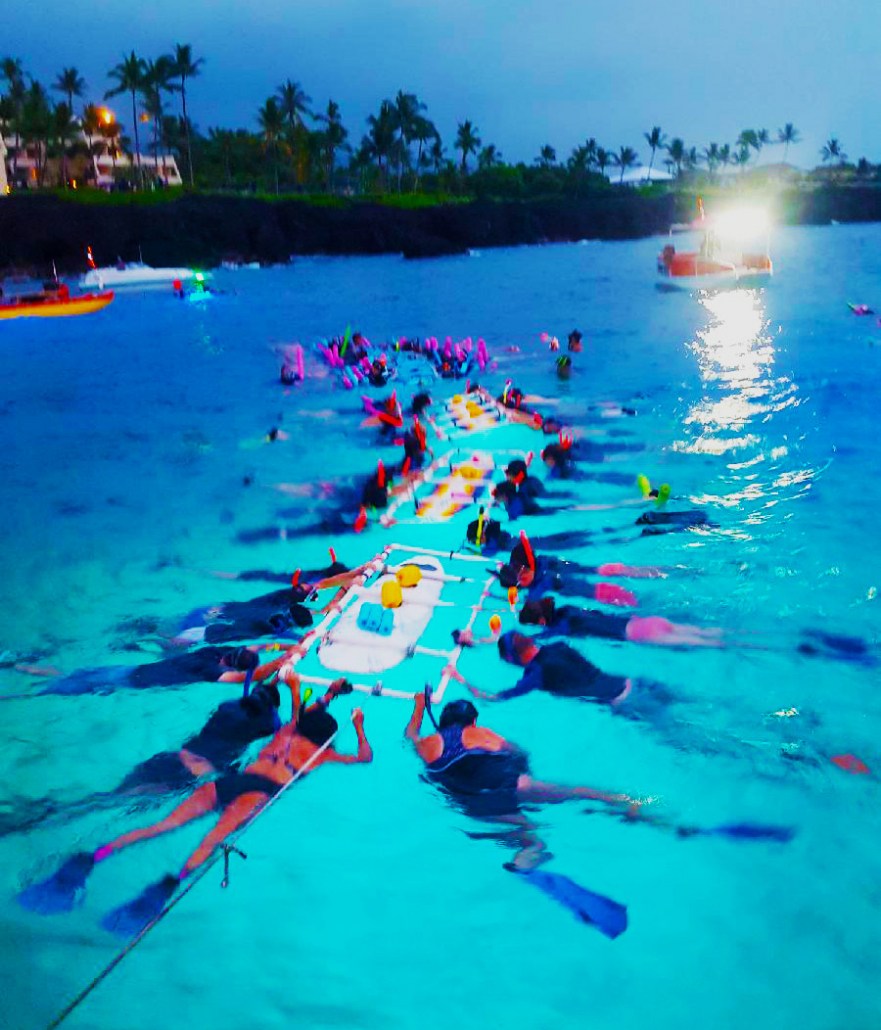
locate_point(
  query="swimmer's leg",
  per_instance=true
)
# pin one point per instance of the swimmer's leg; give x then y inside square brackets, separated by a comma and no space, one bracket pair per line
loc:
[653,629]
[231,819]
[541,792]
[91,681]
[202,801]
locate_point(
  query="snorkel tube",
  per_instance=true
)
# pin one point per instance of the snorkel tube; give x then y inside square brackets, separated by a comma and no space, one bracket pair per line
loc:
[428,710]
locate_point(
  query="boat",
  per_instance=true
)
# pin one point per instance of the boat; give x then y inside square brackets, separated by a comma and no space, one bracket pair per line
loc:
[134,274]
[733,249]
[54,301]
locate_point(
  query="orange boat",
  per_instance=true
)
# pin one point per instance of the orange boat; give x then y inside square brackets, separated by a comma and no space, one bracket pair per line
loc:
[54,301]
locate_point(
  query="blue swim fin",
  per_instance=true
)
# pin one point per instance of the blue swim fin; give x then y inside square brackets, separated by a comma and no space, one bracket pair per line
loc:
[751,831]
[606,915]
[132,917]
[61,891]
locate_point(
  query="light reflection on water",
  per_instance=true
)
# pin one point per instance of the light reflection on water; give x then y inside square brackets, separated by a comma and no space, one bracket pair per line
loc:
[742,395]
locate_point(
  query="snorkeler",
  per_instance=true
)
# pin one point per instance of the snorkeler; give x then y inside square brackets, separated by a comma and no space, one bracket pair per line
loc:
[575,341]
[216,748]
[488,778]
[570,621]
[204,665]
[301,746]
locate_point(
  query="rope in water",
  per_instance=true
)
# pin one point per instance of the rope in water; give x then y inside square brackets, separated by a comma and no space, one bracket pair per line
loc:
[197,878]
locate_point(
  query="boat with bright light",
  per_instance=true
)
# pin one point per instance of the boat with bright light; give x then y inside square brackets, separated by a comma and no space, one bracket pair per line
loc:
[733,249]
[54,301]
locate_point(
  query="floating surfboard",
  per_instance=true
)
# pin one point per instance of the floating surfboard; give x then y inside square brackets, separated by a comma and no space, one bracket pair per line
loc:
[457,489]
[369,641]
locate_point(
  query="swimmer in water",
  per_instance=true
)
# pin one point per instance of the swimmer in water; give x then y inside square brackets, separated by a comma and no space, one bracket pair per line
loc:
[296,749]
[570,621]
[489,778]
[575,341]
[216,748]
[204,665]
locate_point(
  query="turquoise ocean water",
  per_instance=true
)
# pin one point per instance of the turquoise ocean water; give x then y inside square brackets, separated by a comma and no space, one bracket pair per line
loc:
[124,441]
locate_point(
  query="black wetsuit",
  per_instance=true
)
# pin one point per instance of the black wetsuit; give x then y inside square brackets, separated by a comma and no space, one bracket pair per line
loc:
[569,621]
[202,665]
[481,782]
[559,669]
[231,727]
[658,522]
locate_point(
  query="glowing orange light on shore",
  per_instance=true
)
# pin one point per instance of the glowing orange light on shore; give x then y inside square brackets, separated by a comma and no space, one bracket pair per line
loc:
[144,117]
[106,115]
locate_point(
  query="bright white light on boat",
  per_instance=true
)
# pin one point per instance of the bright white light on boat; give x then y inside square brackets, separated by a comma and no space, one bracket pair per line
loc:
[742,223]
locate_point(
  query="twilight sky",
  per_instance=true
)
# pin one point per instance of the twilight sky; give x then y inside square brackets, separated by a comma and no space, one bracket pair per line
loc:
[526,72]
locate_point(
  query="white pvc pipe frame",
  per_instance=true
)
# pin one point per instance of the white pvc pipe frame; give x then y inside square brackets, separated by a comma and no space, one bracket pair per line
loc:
[378,564]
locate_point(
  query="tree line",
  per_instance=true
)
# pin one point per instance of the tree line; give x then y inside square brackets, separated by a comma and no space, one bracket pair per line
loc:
[298,148]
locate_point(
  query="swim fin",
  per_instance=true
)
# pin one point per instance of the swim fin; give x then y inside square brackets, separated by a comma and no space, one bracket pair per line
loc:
[61,891]
[134,916]
[606,915]
[751,831]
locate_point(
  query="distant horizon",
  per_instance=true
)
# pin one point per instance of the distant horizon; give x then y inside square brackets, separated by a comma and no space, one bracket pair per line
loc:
[525,76]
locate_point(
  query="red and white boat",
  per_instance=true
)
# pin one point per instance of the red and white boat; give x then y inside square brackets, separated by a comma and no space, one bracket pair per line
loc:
[732,249]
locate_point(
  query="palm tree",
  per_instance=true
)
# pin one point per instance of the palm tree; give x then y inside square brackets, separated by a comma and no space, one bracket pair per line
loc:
[741,157]
[332,138]
[380,140]
[71,84]
[423,130]
[725,155]
[293,103]
[624,159]
[746,141]
[33,124]
[129,76]
[712,157]
[408,108]
[832,152]
[547,157]
[467,141]
[157,80]
[64,129]
[224,140]
[185,67]
[788,134]
[676,151]
[271,119]
[437,155]
[603,159]
[489,157]
[12,71]
[657,141]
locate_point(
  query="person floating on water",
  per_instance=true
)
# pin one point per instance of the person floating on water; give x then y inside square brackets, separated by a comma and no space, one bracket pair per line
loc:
[575,341]
[296,749]
[570,621]
[216,748]
[204,665]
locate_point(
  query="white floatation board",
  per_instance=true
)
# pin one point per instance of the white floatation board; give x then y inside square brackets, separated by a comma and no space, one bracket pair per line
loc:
[348,648]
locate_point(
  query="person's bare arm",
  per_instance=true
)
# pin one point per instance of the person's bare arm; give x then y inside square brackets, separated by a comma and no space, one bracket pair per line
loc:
[365,751]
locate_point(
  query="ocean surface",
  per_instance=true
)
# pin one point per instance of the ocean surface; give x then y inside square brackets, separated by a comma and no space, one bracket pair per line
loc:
[133,454]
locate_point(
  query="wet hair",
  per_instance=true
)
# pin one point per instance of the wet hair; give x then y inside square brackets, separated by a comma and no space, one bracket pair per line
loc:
[511,646]
[533,612]
[556,453]
[492,532]
[300,615]
[317,725]
[300,592]
[262,692]
[575,335]
[517,467]
[272,434]
[508,575]
[504,491]
[420,402]
[518,556]
[458,713]
[373,495]
[242,659]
